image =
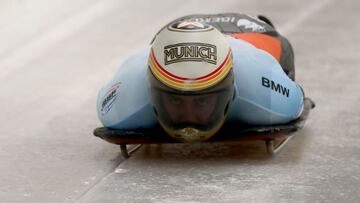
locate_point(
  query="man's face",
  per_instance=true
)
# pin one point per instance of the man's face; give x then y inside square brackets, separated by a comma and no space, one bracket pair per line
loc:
[190,109]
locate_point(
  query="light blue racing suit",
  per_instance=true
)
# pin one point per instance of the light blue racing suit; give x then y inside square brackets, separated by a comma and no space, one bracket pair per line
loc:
[264,94]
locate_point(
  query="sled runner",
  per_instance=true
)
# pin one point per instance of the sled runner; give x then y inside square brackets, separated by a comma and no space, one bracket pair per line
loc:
[274,136]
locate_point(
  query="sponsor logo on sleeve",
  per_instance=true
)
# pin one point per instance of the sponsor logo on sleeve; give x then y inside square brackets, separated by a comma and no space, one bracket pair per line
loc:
[109,98]
[275,86]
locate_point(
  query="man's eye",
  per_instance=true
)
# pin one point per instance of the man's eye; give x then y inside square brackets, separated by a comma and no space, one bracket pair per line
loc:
[175,101]
[202,102]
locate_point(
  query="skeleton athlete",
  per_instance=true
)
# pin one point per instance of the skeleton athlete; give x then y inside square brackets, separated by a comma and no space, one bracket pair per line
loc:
[202,71]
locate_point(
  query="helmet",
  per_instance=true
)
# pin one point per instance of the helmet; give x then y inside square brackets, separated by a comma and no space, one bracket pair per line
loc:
[190,80]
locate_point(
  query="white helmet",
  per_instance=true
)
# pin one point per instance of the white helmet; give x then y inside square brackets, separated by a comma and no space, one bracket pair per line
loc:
[190,80]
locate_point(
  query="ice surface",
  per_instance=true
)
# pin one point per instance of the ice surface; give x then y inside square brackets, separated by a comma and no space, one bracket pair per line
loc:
[55,56]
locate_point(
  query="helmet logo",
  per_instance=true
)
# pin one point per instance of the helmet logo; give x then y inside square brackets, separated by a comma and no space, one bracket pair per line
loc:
[196,52]
[189,26]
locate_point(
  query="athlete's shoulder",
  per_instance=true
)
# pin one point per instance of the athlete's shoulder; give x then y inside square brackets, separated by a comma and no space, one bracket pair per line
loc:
[135,61]
[262,87]
[247,54]
[124,102]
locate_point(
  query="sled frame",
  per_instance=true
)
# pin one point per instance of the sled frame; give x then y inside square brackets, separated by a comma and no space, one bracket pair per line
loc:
[276,137]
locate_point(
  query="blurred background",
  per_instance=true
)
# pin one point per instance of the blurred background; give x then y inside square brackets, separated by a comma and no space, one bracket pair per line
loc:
[56,55]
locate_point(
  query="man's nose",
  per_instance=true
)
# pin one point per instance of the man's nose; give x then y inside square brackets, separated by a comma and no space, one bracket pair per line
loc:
[188,114]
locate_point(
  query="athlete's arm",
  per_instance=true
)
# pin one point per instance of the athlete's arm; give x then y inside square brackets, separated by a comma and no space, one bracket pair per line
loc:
[124,102]
[264,93]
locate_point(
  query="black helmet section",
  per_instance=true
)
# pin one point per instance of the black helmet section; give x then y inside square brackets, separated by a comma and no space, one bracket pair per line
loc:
[191,116]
